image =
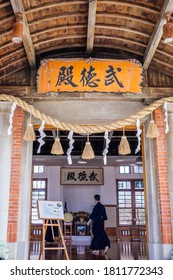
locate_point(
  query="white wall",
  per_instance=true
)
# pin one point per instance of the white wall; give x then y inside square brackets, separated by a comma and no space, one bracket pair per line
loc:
[80,197]
[108,191]
[54,188]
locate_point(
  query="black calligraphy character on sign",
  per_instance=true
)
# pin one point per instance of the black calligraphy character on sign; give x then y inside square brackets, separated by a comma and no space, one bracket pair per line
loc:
[87,77]
[111,76]
[71,176]
[66,76]
[93,176]
[82,176]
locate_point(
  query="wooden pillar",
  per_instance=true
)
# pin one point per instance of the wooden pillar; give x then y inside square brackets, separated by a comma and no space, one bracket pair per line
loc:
[162,172]
[15,180]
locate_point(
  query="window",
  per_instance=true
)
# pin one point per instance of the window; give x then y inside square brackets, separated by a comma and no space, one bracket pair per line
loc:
[39,188]
[131,203]
[138,169]
[38,169]
[124,169]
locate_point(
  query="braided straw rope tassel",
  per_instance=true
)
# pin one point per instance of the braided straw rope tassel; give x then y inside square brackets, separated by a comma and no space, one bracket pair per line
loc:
[88,152]
[124,147]
[57,147]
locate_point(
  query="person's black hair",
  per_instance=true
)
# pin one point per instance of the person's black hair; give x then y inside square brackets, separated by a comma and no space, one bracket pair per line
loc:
[97,197]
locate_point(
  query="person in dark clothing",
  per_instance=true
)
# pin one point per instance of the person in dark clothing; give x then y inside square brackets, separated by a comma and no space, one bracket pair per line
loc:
[49,235]
[100,240]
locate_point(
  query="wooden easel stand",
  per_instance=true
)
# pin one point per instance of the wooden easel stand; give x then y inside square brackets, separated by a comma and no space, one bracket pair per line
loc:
[43,248]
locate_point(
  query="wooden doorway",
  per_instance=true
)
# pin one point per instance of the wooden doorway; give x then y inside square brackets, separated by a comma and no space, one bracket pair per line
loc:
[131,216]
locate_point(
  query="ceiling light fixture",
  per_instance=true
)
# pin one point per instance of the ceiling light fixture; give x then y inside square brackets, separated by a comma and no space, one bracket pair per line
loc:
[168,30]
[17,29]
[120,159]
[81,161]
[138,160]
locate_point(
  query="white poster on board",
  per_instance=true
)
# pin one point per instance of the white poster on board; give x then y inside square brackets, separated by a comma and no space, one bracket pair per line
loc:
[50,210]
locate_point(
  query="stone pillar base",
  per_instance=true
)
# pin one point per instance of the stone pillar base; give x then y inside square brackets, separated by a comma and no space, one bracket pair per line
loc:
[18,250]
[158,251]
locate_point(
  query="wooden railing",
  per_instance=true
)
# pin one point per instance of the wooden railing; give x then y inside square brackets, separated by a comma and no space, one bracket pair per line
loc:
[130,233]
[36,232]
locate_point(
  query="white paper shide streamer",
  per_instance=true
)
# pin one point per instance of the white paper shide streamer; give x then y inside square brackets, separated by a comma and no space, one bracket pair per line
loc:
[138,134]
[70,137]
[105,151]
[165,106]
[13,108]
[42,135]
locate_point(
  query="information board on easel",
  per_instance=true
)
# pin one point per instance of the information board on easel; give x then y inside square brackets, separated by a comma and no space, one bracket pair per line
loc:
[48,211]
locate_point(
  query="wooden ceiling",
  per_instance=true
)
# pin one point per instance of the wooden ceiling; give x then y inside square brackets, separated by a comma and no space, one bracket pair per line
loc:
[84,28]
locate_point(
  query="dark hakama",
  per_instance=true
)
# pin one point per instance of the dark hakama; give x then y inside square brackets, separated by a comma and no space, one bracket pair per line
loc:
[100,239]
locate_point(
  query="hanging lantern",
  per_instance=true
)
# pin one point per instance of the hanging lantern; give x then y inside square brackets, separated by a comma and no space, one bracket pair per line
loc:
[57,147]
[17,30]
[168,30]
[88,152]
[124,147]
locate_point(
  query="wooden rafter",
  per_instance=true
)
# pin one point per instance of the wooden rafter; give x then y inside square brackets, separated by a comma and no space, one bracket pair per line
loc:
[157,34]
[50,30]
[4,4]
[91,25]
[18,7]
[46,6]
[131,4]
[73,36]
[53,17]
[122,39]
[107,15]
[124,29]
[13,70]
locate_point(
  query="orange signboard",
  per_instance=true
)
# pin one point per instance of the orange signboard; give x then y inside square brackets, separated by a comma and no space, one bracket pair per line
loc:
[119,76]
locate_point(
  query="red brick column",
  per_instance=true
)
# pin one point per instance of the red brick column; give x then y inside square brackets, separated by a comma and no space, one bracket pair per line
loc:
[162,173]
[16,159]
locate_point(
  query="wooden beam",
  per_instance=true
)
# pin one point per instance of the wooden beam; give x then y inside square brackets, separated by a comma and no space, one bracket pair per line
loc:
[73,36]
[108,15]
[12,63]
[91,25]
[6,19]
[18,7]
[4,4]
[131,4]
[122,39]
[2,76]
[45,6]
[124,29]
[29,92]
[54,17]
[17,90]
[58,28]
[157,34]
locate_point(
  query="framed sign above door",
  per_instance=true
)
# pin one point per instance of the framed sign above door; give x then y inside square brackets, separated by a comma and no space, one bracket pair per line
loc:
[81,176]
[80,75]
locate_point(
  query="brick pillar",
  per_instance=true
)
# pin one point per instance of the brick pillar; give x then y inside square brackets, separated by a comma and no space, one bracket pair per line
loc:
[162,173]
[16,158]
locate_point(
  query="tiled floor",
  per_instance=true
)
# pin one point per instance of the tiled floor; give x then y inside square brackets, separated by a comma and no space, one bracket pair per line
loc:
[79,250]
